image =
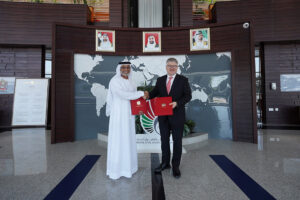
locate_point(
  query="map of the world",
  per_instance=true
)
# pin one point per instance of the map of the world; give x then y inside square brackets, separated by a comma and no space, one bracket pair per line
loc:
[209,76]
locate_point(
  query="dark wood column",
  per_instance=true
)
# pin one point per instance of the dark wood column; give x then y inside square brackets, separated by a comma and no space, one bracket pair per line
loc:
[116,13]
[185,12]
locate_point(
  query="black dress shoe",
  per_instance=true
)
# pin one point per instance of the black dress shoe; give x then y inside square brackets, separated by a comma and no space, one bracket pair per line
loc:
[176,172]
[162,167]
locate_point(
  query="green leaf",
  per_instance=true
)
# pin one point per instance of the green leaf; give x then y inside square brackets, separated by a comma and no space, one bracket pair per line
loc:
[186,130]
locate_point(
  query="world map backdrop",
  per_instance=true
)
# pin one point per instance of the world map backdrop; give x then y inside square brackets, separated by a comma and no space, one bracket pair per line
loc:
[209,77]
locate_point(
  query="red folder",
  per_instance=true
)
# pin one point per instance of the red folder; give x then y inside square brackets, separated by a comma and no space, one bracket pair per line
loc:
[161,107]
[138,105]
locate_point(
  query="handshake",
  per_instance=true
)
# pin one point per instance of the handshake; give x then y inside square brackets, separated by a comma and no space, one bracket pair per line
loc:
[146,95]
[159,105]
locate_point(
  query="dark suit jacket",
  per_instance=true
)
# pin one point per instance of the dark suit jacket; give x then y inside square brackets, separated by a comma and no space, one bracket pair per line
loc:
[180,92]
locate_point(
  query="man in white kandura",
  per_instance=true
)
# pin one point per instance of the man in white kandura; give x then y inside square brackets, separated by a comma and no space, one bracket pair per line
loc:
[121,151]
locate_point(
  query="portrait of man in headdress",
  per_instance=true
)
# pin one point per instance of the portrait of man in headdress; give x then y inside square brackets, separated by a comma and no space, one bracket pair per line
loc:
[151,42]
[199,39]
[105,40]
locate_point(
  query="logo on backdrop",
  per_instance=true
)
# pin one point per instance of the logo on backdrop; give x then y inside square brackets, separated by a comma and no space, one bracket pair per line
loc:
[149,121]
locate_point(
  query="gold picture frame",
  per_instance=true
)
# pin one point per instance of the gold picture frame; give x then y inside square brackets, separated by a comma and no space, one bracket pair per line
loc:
[151,41]
[200,39]
[105,41]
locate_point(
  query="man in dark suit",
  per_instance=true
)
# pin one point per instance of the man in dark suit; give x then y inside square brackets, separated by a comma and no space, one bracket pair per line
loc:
[176,86]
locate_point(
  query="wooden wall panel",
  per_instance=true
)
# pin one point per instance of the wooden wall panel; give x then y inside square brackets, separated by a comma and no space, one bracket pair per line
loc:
[23,25]
[116,13]
[17,62]
[185,12]
[273,20]
[224,37]
[276,26]
[31,23]
[176,14]
[281,59]
[63,114]
[125,14]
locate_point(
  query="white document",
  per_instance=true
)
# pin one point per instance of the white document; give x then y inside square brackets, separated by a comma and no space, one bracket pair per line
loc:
[30,102]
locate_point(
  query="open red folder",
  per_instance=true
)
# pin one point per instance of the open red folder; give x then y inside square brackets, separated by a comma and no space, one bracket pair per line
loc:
[138,105]
[160,106]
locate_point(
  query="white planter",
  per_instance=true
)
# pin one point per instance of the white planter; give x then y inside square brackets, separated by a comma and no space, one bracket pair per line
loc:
[150,143]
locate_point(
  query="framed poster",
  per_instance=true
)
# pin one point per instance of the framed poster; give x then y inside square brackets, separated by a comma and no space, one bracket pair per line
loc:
[289,82]
[105,41]
[30,102]
[199,39]
[152,41]
[7,85]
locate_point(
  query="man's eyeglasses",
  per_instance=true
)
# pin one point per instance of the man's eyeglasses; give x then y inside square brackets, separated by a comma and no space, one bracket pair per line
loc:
[172,66]
[125,67]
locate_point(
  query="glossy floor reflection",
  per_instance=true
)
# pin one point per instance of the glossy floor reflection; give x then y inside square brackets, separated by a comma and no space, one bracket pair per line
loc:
[30,167]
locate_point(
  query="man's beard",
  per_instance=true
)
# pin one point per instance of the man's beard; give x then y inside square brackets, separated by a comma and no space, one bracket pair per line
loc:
[124,74]
[105,44]
[153,45]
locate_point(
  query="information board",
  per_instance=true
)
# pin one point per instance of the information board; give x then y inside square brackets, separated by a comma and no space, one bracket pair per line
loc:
[30,102]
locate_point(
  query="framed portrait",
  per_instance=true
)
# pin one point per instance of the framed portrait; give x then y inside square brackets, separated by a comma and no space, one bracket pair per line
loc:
[105,41]
[199,39]
[152,41]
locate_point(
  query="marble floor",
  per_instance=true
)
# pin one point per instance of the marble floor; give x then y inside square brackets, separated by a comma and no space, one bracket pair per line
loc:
[30,167]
